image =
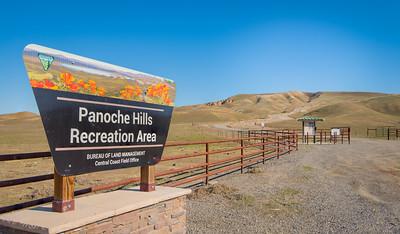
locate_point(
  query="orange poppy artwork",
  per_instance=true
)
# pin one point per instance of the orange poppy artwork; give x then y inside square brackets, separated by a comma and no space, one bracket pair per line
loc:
[57,70]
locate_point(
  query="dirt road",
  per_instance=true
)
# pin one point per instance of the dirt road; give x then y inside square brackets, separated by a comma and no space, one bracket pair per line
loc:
[319,189]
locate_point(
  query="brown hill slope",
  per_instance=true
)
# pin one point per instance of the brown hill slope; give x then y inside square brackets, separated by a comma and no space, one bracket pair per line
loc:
[356,109]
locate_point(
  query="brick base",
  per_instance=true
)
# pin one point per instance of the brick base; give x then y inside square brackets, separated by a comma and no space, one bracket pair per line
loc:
[164,217]
[127,210]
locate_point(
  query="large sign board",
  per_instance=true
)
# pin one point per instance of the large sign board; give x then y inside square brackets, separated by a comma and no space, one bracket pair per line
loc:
[98,116]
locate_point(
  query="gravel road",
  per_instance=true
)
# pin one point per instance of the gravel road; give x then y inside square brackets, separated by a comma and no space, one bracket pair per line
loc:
[319,189]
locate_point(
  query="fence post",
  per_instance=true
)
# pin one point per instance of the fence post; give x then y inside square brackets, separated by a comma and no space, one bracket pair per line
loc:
[388,133]
[63,193]
[294,137]
[307,138]
[348,132]
[297,142]
[278,148]
[320,138]
[147,178]
[241,156]
[342,137]
[263,148]
[207,161]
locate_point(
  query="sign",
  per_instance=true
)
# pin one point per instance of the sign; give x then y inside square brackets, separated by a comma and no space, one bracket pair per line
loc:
[309,128]
[98,116]
[335,131]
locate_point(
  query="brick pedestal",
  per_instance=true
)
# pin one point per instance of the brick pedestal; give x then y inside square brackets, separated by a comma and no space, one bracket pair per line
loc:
[122,211]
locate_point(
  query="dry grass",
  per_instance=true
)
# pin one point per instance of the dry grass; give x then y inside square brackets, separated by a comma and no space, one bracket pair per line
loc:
[284,201]
[231,194]
[307,168]
[218,189]
[255,170]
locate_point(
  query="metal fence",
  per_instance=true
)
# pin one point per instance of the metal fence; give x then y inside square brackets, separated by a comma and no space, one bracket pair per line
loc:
[236,154]
[386,132]
[322,136]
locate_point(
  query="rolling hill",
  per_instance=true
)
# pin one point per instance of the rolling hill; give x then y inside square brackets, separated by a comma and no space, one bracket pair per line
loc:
[355,109]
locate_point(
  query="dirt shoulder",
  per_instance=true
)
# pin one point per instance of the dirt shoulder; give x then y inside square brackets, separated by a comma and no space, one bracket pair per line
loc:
[323,188]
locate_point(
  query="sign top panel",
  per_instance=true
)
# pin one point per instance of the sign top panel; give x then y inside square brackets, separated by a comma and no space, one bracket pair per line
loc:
[57,70]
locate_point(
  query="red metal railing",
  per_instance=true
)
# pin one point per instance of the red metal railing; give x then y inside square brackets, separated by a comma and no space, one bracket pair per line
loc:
[322,136]
[236,154]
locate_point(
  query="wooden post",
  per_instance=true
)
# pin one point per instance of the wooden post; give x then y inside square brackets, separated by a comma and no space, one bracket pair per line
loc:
[207,161]
[241,155]
[147,178]
[388,133]
[63,193]
[297,142]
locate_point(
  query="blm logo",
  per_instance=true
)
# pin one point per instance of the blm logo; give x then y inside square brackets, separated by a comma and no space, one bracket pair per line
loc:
[46,61]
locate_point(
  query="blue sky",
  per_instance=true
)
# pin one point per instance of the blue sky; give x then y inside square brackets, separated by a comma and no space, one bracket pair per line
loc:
[212,49]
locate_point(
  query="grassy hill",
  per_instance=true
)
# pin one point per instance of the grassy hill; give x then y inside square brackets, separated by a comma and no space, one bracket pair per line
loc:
[21,132]
[355,109]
